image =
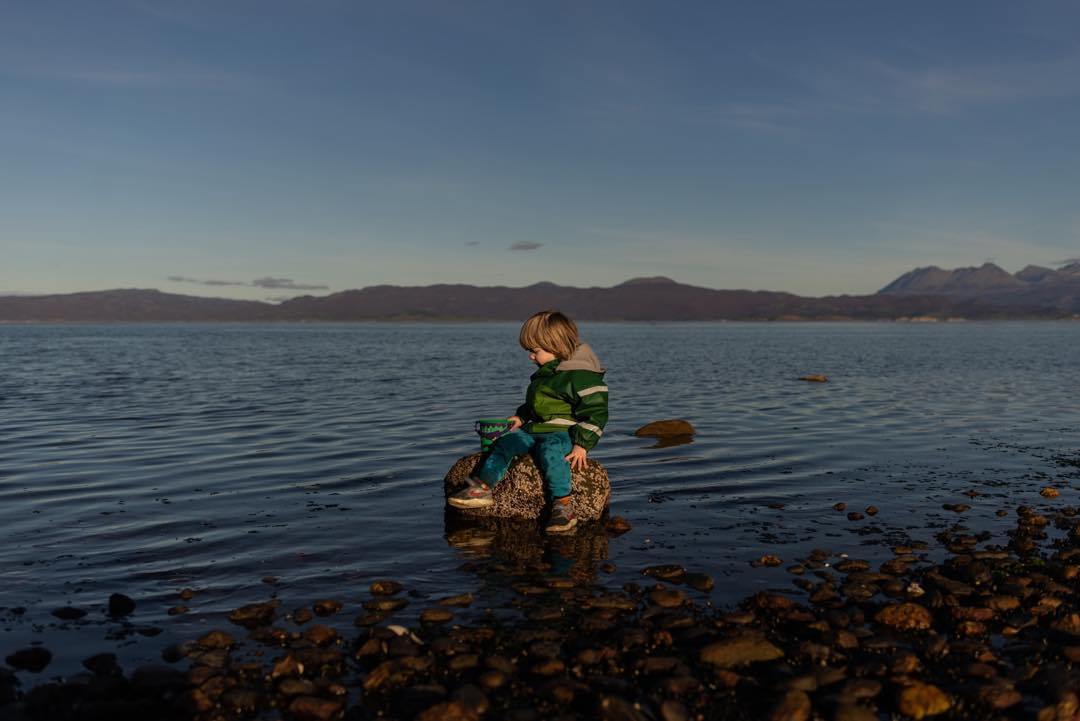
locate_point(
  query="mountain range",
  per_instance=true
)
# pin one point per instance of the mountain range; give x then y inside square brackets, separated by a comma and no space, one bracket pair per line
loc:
[986,292]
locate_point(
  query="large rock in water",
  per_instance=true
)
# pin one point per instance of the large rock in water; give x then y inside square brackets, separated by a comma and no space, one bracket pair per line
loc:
[521,493]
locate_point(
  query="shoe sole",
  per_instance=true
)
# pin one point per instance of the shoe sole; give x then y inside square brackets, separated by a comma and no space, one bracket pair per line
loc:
[564,527]
[470,502]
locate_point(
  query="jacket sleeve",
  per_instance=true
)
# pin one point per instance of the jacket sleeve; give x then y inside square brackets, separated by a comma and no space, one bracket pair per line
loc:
[524,412]
[589,404]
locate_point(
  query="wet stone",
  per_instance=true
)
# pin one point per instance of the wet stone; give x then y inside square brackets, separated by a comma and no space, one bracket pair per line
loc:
[102,664]
[435,615]
[739,651]
[177,610]
[216,639]
[312,708]
[302,615]
[905,617]
[320,635]
[297,687]
[921,700]
[665,572]
[254,615]
[667,597]
[792,706]
[385,605]
[33,659]
[120,605]
[463,599]
[240,700]
[385,588]
[671,710]
[326,607]
[68,613]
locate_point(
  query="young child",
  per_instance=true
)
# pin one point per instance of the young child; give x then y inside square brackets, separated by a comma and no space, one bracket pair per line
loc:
[563,417]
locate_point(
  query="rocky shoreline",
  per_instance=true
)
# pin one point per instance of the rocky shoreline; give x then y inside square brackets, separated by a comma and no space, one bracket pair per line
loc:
[990,630]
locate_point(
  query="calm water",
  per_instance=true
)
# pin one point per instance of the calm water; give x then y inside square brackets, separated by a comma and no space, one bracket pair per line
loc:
[146,459]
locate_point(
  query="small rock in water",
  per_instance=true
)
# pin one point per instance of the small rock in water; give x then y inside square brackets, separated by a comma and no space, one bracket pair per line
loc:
[302,615]
[699,581]
[120,605]
[178,610]
[67,613]
[617,525]
[1049,492]
[33,659]
[815,378]
[386,588]
[102,664]
[767,560]
[840,507]
[186,594]
[327,607]
[254,615]
[216,639]
[665,572]
[669,427]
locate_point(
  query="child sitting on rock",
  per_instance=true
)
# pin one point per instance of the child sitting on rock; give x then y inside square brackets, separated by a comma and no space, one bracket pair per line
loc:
[563,417]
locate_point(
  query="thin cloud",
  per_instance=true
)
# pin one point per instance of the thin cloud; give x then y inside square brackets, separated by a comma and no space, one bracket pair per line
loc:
[285,284]
[525,245]
[1067,261]
[199,281]
[268,282]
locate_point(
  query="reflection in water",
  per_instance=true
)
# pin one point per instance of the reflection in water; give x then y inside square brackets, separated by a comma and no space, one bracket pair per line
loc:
[514,547]
[669,441]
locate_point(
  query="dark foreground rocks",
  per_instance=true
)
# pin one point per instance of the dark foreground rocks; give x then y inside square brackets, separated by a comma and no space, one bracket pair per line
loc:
[971,628]
[521,493]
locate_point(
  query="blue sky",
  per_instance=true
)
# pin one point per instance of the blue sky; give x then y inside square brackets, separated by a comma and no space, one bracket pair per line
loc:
[263,149]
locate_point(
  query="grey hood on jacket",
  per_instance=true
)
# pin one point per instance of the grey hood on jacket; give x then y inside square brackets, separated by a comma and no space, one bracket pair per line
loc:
[582,359]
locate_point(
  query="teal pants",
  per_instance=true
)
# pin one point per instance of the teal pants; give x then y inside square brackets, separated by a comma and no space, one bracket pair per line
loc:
[547,449]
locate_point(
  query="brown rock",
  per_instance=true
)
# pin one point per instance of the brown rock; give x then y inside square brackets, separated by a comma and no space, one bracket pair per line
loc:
[521,493]
[671,710]
[462,599]
[905,617]
[254,615]
[287,666]
[326,607]
[740,650]
[999,695]
[670,427]
[815,378]
[320,635]
[767,560]
[922,699]
[792,706]
[1049,492]
[617,525]
[385,588]
[216,639]
[311,708]
[667,597]
[435,615]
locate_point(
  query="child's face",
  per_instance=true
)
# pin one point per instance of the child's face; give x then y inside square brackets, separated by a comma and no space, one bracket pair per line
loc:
[539,356]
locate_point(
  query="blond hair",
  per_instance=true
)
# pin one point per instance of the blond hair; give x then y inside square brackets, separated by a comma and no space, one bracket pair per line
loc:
[552,331]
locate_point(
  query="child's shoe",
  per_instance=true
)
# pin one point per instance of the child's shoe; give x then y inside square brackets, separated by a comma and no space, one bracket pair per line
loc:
[475,495]
[562,516]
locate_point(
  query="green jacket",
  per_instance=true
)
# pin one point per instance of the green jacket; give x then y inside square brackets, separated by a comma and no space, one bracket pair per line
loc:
[568,395]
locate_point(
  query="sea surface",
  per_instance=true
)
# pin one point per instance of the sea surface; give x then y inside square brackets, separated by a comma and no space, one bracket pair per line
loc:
[301,462]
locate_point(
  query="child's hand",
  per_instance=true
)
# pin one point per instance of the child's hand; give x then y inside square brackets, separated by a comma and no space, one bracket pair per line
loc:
[577,458]
[516,422]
